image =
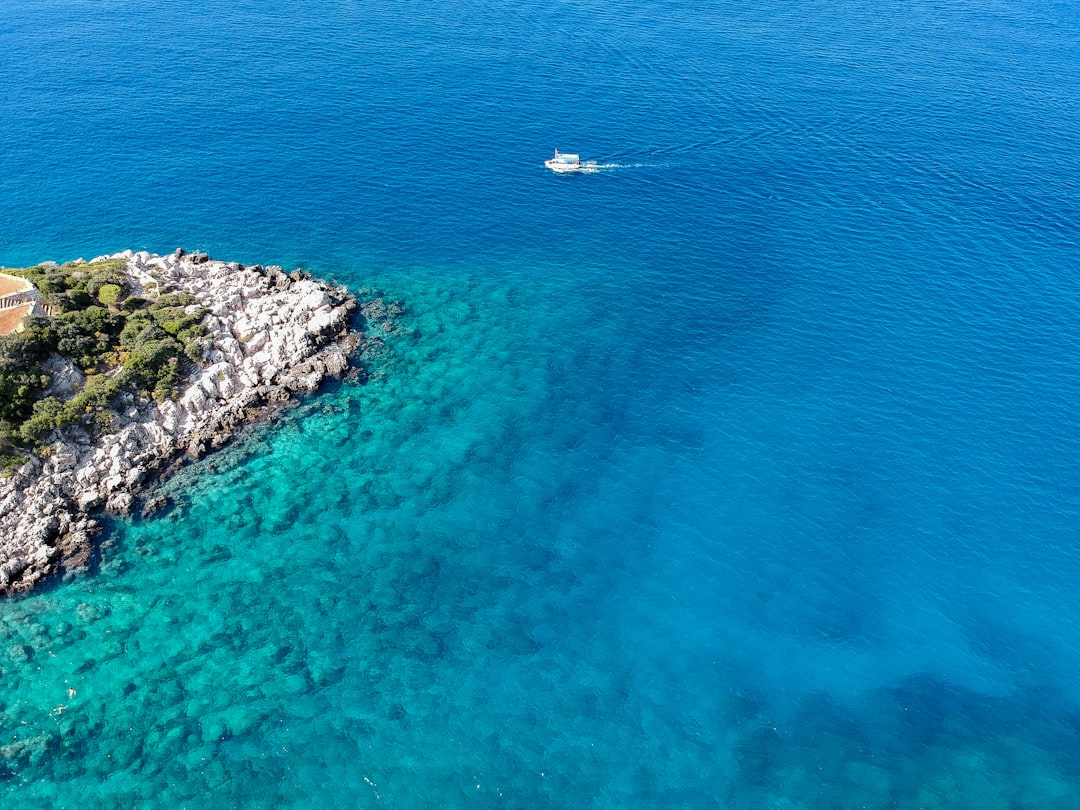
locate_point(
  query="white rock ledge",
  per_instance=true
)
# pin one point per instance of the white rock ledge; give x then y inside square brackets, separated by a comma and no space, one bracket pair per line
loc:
[269,335]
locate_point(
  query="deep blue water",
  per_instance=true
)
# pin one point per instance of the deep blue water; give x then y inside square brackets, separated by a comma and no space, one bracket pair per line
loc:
[741,473]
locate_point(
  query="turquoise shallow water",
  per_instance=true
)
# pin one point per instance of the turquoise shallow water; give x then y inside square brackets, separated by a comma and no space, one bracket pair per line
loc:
[741,473]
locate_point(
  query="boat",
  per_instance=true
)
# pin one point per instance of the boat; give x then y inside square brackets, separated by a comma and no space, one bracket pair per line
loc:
[564,163]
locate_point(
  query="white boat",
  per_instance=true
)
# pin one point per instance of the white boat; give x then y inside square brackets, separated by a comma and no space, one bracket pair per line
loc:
[565,163]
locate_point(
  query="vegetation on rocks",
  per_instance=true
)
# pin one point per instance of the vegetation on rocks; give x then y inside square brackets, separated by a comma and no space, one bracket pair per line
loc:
[121,342]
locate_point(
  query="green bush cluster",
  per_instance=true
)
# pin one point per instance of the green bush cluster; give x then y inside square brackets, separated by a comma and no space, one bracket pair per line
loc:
[21,380]
[122,343]
[50,413]
[73,286]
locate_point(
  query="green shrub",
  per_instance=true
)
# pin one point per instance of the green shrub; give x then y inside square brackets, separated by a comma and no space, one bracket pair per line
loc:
[18,390]
[94,284]
[193,350]
[185,324]
[106,268]
[49,414]
[192,332]
[39,337]
[21,378]
[109,293]
[139,331]
[154,363]
[9,462]
[133,303]
[170,300]
[84,349]
[21,351]
[164,390]
[9,437]
[51,283]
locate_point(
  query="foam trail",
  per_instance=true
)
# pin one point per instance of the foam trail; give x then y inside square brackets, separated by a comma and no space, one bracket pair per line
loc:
[593,165]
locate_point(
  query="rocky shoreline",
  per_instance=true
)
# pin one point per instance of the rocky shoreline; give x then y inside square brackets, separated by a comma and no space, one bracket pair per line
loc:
[268,337]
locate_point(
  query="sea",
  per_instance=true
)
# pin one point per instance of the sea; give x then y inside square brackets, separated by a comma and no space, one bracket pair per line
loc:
[739,473]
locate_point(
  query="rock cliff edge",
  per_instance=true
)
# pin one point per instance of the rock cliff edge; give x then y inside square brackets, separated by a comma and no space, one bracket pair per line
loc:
[268,336]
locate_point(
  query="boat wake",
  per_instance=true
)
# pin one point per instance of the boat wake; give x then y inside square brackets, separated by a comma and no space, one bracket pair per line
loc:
[610,166]
[567,163]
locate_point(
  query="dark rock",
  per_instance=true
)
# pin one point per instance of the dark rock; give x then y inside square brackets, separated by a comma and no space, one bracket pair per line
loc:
[136,475]
[47,530]
[336,363]
[374,310]
[155,504]
[220,438]
[276,393]
[87,612]
[305,377]
[76,547]
[11,571]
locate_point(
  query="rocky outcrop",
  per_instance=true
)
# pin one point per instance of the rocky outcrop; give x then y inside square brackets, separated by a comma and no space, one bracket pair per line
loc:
[269,336]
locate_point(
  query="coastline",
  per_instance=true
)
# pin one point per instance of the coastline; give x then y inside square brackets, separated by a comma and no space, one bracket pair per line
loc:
[269,336]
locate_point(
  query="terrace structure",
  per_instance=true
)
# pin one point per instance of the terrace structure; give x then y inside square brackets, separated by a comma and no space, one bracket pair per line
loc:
[18,298]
